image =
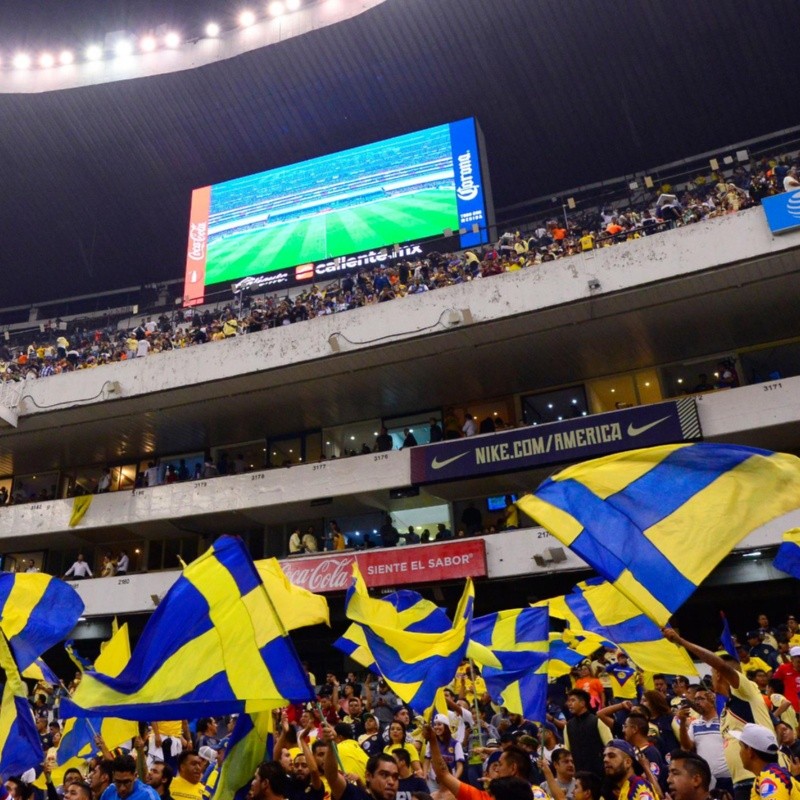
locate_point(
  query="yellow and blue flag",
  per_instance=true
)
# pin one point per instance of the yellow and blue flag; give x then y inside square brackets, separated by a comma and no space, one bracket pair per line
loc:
[215,645]
[414,661]
[246,749]
[596,608]
[36,612]
[39,671]
[562,658]
[787,559]
[296,607]
[77,737]
[83,664]
[656,521]
[20,746]
[518,638]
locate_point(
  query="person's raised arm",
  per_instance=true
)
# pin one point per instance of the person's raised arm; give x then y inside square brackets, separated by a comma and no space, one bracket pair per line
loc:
[553,789]
[280,742]
[442,774]
[335,778]
[313,767]
[706,656]
[683,730]
[606,714]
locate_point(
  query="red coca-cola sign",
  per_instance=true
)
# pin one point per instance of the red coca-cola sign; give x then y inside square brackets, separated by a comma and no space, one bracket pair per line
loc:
[393,566]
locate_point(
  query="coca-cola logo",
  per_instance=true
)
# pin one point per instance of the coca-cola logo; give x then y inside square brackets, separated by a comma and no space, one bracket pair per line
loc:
[325,575]
[198,232]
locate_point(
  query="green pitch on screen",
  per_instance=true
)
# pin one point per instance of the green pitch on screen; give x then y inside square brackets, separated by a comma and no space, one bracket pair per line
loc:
[369,227]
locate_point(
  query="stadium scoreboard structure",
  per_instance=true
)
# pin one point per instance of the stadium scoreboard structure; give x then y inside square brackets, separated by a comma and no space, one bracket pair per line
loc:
[341,212]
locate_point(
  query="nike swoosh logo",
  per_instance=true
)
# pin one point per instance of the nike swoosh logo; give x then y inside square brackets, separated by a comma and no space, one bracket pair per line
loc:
[436,464]
[632,431]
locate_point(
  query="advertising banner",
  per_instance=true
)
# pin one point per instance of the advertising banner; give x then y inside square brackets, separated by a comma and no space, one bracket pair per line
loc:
[557,442]
[783,211]
[197,250]
[390,566]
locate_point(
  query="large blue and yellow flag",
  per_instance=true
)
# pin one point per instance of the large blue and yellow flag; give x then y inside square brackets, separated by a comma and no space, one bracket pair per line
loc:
[39,671]
[655,522]
[596,608]
[562,658]
[518,638]
[215,645]
[787,559]
[36,612]
[414,661]
[20,746]
[296,607]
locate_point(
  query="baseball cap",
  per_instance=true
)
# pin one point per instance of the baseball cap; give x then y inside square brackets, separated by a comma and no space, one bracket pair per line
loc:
[208,753]
[758,737]
[794,651]
[623,746]
[441,718]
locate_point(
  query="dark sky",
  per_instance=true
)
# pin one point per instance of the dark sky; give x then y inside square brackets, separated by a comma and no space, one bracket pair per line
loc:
[96,181]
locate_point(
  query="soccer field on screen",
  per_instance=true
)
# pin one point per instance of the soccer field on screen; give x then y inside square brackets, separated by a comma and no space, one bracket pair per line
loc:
[382,223]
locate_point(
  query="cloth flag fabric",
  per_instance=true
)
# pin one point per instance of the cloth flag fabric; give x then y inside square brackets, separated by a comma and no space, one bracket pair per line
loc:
[597,607]
[36,612]
[656,521]
[726,638]
[518,638]
[414,661]
[787,558]
[562,658]
[215,645]
[80,505]
[77,738]
[39,671]
[20,746]
[298,607]
[246,749]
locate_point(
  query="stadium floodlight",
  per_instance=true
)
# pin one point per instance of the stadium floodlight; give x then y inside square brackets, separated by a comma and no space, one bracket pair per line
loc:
[66,57]
[94,52]
[46,60]
[123,48]
[21,61]
[276,8]
[292,5]
[172,40]
[212,30]
[247,18]
[147,44]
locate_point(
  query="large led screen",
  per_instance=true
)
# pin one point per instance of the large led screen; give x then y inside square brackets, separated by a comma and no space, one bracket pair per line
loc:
[339,212]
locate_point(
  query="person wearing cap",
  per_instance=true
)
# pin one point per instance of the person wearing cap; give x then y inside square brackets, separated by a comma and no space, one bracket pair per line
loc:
[760,649]
[790,675]
[620,767]
[744,704]
[758,749]
[212,761]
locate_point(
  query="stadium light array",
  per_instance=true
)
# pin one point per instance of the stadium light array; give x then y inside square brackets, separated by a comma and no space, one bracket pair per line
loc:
[148,44]
[21,61]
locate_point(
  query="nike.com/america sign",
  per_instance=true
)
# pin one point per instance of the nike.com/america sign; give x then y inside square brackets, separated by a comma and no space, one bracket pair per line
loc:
[557,442]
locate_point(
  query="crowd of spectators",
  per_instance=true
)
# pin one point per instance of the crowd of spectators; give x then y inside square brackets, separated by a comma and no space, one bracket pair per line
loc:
[611,732]
[53,351]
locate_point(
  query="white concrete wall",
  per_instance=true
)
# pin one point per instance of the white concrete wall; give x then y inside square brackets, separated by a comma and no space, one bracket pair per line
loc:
[304,482]
[655,258]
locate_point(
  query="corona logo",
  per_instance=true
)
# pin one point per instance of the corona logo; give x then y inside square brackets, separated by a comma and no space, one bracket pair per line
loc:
[467,188]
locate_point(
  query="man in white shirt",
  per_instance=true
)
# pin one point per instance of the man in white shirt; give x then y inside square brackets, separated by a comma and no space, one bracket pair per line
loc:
[79,570]
[123,562]
[703,736]
[142,348]
[469,428]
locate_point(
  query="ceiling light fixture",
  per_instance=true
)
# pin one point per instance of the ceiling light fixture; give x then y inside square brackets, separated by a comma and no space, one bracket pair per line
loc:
[148,44]
[247,18]
[21,61]
[212,30]
[94,52]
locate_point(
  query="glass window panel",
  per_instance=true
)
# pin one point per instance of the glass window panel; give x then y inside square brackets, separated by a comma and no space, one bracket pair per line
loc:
[609,394]
[38,487]
[648,386]
[554,405]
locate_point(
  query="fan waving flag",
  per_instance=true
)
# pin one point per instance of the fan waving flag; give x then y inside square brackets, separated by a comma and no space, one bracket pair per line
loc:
[596,608]
[787,558]
[215,645]
[37,611]
[655,522]
[518,638]
[20,746]
[414,662]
